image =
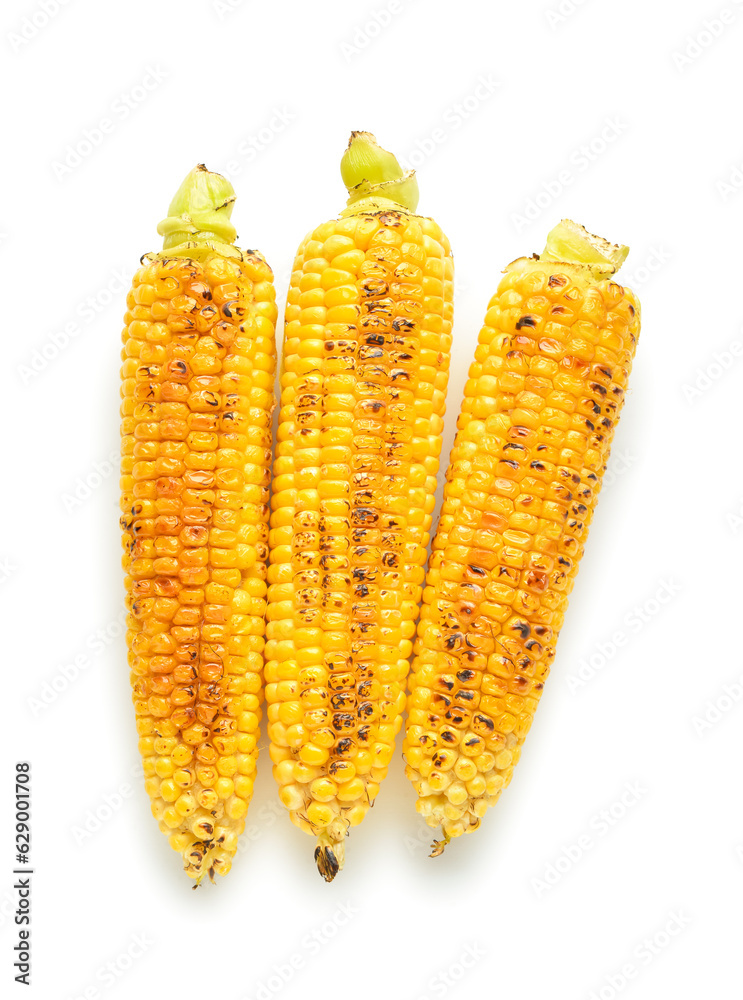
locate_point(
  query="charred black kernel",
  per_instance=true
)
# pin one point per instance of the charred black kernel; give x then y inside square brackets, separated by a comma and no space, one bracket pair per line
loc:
[472,741]
[365,710]
[364,734]
[444,682]
[364,515]
[522,628]
[399,323]
[526,321]
[596,387]
[344,746]
[510,462]
[343,720]
[391,219]
[477,570]
[464,695]
[605,371]
[465,675]
[448,737]
[483,720]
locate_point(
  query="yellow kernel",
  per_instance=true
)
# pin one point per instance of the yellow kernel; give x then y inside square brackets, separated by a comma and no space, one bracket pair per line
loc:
[313,755]
[319,815]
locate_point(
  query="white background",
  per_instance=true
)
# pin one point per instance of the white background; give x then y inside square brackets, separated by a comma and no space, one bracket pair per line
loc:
[595,116]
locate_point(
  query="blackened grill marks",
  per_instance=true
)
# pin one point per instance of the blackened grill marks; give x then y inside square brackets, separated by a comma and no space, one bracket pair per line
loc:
[524,645]
[385,358]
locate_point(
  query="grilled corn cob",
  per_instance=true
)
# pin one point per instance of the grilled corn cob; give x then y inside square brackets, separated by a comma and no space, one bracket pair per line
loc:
[539,412]
[365,369]
[197,389]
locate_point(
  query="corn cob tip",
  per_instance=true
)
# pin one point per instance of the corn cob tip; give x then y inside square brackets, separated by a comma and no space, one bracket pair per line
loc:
[374,178]
[205,858]
[200,211]
[330,854]
[569,242]
[438,846]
